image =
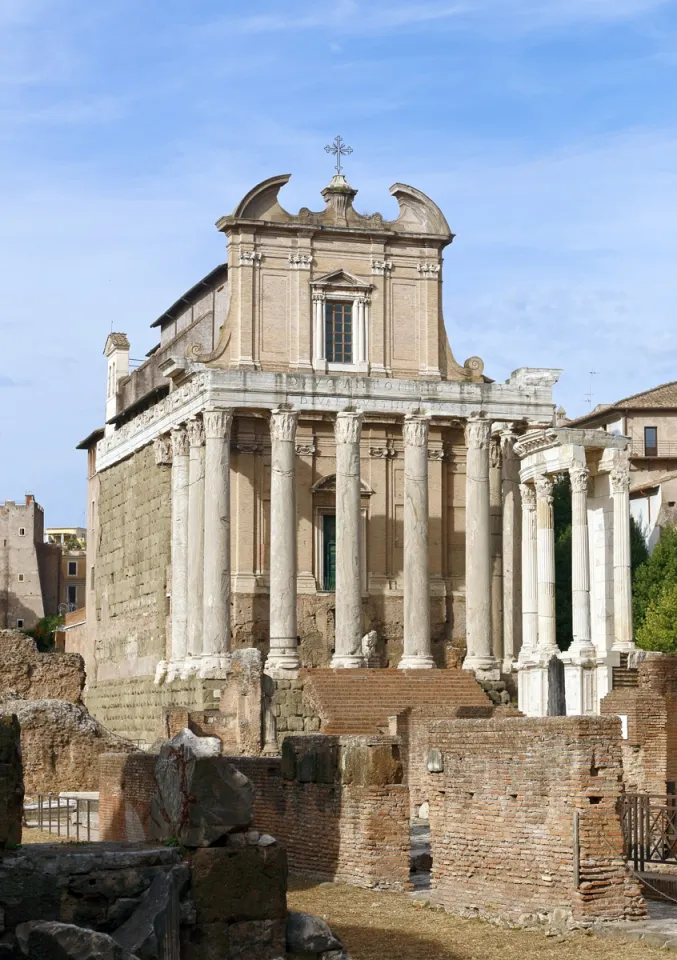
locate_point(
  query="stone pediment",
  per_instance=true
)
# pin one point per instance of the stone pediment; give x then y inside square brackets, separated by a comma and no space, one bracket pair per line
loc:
[341,280]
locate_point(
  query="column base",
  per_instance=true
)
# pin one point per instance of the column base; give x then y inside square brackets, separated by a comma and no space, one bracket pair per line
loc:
[215,666]
[283,666]
[485,668]
[416,663]
[346,662]
[580,652]
[623,646]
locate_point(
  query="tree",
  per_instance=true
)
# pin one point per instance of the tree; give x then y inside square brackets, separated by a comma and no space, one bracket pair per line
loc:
[659,630]
[43,632]
[657,573]
[639,552]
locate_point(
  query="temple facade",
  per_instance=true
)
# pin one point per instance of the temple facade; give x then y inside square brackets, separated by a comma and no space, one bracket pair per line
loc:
[301,465]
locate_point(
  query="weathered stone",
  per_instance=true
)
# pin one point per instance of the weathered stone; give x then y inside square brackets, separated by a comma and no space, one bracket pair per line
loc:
[153,930]
[121,911]
[199,799]
[208,941]
[200,746]
[50,940]
[11,782]
[256,940]
[234,885]
[308,934]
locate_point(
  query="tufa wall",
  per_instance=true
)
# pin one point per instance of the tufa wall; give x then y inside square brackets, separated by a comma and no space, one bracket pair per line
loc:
[650,750]
[501,818]
[38,676]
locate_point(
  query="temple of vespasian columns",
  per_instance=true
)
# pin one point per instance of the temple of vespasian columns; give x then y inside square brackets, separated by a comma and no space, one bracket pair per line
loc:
[301,460]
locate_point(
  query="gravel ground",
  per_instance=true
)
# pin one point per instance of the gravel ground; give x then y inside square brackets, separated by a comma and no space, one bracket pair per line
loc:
[391,926]
[33,835]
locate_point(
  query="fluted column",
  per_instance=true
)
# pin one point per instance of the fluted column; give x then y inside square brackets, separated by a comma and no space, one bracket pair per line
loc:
[511,539]
[179,549]
[620,489]
[417,640]
[545,538]
[196,529]
[580,563]
[478,548]
[216,600]
[529,573]
[348,645]
[283,658]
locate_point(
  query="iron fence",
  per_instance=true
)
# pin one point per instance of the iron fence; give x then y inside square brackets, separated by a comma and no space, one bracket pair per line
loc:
[64,815]
[650,828]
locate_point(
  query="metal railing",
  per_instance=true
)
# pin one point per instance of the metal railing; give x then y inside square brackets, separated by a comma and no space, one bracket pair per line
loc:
[663,449]
[650,828]
[64,815]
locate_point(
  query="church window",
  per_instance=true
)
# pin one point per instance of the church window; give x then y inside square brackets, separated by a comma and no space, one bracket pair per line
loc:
[21,578]
[339,331]
[22,531]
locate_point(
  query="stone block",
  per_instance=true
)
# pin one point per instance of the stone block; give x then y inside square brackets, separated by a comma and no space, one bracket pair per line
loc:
[256,940]
[370,765]
[49,940]
[308,934]
[152,932]
[233,885]
[11,782]
[208,941]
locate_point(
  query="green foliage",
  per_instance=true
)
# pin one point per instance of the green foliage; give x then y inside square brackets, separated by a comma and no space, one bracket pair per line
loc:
[659,630]
[656,574]
[639,552]
[43,632]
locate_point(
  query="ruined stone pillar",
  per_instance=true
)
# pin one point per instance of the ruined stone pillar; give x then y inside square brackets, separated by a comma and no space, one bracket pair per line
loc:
[496,525]
[511,543]
[477,549]
[348,644]
[283,658]
[196,532]
[580,563]
[545,540]
[417,640]
[620,489]
[179,550]
[216,600]
[529,572]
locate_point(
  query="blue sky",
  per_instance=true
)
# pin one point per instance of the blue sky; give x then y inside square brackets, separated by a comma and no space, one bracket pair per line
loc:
[545,129]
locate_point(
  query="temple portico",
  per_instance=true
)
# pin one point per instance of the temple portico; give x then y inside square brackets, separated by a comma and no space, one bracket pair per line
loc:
[598,468]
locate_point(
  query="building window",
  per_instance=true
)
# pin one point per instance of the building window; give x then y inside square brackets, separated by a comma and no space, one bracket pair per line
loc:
[72,568]
[22,531]
[72,594]
[650,441]
[20,623]
[21,578]
[338,325]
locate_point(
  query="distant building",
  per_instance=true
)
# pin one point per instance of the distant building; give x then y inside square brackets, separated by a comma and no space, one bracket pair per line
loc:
[649,419]
[29,567]
[72,541]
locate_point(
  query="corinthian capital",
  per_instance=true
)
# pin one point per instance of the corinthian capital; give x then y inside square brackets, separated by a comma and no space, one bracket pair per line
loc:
[578,476]
[162,448]
[348,427]
[217,424]
[528,494]
[283,424]
[544,487]
[478,434]
[196,433]
[620,478]
[179,442]
[415,430]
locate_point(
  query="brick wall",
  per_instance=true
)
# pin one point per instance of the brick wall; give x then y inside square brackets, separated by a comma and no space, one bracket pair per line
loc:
[38,676]
[650,750]
[126,788]
[501,817]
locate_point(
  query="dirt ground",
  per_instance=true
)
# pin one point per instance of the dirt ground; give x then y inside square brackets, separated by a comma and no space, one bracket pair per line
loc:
[391,926]
[33,835]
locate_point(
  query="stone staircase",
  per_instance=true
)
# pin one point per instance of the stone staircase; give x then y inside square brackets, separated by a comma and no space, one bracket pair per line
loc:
[360,701]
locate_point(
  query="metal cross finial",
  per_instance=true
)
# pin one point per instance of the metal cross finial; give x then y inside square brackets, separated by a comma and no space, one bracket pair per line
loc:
[339,149]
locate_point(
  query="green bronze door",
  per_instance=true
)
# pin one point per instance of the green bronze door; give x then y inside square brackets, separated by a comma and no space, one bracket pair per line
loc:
[329,550]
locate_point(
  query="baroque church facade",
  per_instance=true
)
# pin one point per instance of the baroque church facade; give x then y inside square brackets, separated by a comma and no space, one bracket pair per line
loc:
[300,462]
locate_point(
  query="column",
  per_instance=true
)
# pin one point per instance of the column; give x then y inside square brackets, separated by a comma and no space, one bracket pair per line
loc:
[283,658]
[620,489]
[417,641]
[196,511]
[582,645]
[348,644]
[179,550]
[545,544]
[319,350]
[496,524]
[216,600]
[478,548]
[511,536]
[529,573]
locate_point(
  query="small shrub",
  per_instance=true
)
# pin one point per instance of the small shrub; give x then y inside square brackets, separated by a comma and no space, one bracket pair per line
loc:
[659,630]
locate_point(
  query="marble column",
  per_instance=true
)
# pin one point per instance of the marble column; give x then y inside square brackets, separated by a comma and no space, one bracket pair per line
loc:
[478,548]
[511,540]
[179,550]
[348,643]
[417,640]
[196,530]
[545,542]
[319,349]
[496,525]
[582,645]
[216,599]
[529,573]
[283,658]
[620,489]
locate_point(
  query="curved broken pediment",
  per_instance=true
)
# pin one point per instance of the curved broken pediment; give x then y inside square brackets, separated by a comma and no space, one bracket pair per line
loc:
[418,213]
[261,202]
